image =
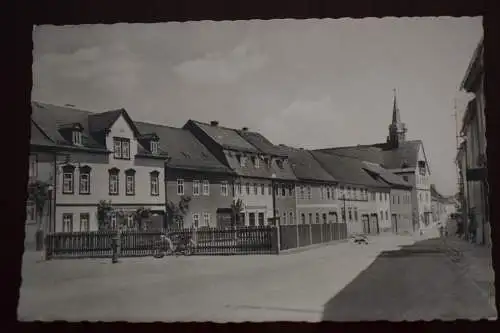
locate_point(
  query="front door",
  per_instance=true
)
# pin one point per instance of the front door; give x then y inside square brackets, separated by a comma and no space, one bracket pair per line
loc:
[366,223]
[374,224]
[394,223]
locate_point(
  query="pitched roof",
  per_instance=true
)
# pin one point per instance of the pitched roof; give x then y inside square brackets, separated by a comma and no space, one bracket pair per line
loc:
[227,138]
[262,143]
[386,175]
[38,138]
[185,151]
[381,153]
[346,169]
[305,166]
[49,119]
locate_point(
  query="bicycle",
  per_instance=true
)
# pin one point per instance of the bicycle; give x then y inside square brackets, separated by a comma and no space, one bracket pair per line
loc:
[173,245]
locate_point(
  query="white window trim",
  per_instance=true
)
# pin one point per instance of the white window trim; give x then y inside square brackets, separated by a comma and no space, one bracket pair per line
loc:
[83,190]
[180,185]
[257,162]
[206,187]
[196,188]
[68,187]
[154,146]
[77,138]
[117,148]
[154,184]
[114,184]
[206,219]
[196,219]
[87,224]
[67,217]
[130,180]
[224,188]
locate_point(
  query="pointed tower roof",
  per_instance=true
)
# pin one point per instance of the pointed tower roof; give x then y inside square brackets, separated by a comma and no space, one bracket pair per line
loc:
[396,118]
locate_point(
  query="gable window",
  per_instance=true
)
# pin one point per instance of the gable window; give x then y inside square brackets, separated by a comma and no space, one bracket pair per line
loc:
[67,225]
[206,187]
[85,179]
[154,146]
[84,222]
[114,181]
[130,182]
[262,189]
[196,187]
[223,188]
[154,183]
[68,179]
[77,138]
[180,186]
[257,162]
[121,147]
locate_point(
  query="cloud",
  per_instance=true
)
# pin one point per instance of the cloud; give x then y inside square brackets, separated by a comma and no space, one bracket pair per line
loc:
[221,68]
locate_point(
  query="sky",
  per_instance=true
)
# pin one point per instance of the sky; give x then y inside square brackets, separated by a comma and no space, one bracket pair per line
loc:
[308,83]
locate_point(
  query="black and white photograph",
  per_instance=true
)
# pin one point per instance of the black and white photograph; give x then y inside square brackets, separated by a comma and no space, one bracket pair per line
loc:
[258,170]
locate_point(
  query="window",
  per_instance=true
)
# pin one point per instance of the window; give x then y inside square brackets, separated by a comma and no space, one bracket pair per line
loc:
[302,192]
[405,178]
[303,218]
[355,214]
[196,187]
[251,219]
[380,196]
[247,187]
[130,220]
[85,180]
[261,218]
[350,213]
[180,186]
[290,190]
[283,190]
[328,193]
[324,218]
[114,181]
[67,222]
[77,138]
[343,213]
[290,218]
[130,182]
[381,215]
[68,174]
[386,215]
[243,161]
[398,199]
[196,220]
[206,187]
[121,148]
[310,218]
[206,219]
[279,163]
[33,166]
[257,162]
[84,222]
[113,220]
[255,189]
[309,193]
[30,212]
[154,183]
[317,218]
[386,197]
[223,188]
[374,196]
[262,189]
[269,189]
[154,146]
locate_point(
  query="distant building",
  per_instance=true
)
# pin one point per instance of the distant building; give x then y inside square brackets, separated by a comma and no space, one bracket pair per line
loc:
[472,157]
[401,157]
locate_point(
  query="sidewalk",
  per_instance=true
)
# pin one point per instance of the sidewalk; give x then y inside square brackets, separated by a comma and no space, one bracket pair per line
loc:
[475,261]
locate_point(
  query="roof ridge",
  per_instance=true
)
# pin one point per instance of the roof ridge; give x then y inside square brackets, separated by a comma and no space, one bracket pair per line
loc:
[161,125]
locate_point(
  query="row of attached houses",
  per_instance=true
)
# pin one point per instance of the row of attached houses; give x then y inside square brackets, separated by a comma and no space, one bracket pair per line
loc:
[87,157]
[471,157]
[442,206]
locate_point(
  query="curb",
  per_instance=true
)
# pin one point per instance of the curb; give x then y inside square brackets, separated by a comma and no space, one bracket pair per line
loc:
[311,247]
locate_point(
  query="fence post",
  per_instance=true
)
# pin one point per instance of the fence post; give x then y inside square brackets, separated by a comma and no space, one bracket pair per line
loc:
[278,240]
[321,233]
[298,237]
[310,233]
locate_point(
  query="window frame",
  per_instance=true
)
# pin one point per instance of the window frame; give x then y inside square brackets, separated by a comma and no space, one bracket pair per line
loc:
[129,174]
[69,216]
[87,217]
[196,220]
[206,219]
[154,146]
[262,189]
[206,187]
[180,185]
[84,171]
[120,146]
[154,179]
[68,170]
[224,188]
[196,188]
[112,173]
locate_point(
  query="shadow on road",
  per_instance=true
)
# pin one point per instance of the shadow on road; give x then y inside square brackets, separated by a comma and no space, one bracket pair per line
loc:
[416,282]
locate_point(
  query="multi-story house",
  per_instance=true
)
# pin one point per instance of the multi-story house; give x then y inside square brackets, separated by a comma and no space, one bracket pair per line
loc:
[401,157]
[474,132]
[400,197]
[284,179]
[254,169]
[315,191]
[105,158]
[363,200]
[192,171]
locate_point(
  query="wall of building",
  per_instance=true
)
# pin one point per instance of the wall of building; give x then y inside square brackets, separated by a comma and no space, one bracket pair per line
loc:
[313,203]
[200,204]
[400,208]
[255,202]
[286,202]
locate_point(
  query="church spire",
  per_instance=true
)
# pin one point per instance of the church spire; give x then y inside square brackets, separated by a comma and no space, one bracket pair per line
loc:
[396,118]
[397,129]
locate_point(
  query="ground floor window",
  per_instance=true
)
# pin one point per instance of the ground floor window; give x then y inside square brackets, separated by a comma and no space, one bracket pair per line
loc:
[261,218]
[67,222]
[284,217]
[325,220]
[84,222]
[251,219]
[303,218]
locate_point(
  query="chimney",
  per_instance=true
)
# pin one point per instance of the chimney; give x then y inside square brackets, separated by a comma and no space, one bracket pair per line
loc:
[244,129]
[214,123]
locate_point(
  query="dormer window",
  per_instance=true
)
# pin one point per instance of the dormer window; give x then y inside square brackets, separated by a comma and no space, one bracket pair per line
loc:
[77,138]
[279,163]
[257,162]
[154,146]
[243,161]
